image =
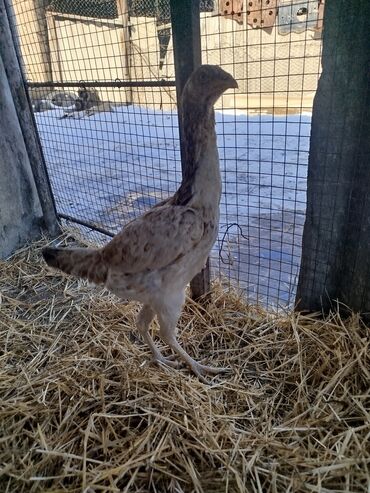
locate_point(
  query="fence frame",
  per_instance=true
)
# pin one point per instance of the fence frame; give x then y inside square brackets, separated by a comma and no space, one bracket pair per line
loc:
[185,19]
[13,67]
[335,264]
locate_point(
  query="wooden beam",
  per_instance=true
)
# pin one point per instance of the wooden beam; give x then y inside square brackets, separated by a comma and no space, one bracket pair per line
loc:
[20,212]
[26,121]
[57,71]
[185,21]
[336,241]
[43,38]
[122,8]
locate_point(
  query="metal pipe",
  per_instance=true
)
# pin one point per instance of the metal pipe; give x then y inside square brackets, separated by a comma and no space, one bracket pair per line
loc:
[117,83]
[86,224]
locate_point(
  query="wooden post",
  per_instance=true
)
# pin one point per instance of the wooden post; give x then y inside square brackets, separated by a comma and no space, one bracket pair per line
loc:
[336,241]
[27,122]
[56,64]
[20,211]
[122,8]
[42,37]
[187,55]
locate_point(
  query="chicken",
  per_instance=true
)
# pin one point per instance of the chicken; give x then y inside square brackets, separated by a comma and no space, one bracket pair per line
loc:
[155,256]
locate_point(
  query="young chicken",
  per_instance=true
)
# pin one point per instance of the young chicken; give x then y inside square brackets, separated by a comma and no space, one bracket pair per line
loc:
[155,256]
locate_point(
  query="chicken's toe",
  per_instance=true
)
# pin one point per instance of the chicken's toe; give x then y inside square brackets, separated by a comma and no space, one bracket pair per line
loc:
[212,369]
[200,370]
[167,361]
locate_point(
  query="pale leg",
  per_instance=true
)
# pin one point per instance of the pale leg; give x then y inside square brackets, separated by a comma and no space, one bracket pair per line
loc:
[144,318]
[168,317]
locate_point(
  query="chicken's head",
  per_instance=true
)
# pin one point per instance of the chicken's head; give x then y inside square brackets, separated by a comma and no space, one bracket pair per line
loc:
[207,83]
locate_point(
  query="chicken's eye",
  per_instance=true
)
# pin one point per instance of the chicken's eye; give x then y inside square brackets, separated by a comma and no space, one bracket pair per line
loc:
[202,77]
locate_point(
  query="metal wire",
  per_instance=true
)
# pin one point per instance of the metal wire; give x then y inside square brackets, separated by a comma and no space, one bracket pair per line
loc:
[263,143]
[101,77]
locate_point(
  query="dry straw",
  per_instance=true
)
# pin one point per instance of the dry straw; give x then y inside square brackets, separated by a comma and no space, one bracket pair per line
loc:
[84,410]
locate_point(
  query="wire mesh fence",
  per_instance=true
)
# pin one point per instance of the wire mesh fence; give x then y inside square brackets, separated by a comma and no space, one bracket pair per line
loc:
[102,82]
[264,132]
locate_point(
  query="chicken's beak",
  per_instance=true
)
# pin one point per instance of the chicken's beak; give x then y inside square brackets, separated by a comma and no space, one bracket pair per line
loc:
[228,82]
[232,84]
[222,83]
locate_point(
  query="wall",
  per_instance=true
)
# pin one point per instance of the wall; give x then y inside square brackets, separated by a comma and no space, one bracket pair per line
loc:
[274,71]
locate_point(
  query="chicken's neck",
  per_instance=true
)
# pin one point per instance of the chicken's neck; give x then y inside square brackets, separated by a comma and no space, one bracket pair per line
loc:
[201,183]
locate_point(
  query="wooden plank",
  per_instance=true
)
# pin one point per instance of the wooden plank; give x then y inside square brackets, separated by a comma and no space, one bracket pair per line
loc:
[231,9]
[261,13]
[269,13]
[185,20]
[112,23]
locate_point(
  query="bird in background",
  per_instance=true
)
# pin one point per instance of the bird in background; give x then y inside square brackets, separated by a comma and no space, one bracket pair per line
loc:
[155,256]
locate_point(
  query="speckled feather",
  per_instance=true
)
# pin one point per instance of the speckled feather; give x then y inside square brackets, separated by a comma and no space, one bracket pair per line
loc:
[155,240]
[155,256]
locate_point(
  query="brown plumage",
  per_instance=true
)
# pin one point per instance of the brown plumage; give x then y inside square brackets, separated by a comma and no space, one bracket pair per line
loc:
[155,256]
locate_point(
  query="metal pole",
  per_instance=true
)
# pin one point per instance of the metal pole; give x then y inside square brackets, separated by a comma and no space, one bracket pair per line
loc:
[185,21]
[186,46]
[116,83]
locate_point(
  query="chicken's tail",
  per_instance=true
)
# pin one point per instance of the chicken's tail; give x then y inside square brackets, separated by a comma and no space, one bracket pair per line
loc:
[80,262]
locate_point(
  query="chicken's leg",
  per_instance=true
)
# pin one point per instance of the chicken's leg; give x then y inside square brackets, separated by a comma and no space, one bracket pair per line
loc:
[144,318]
[197,368]
[168,318]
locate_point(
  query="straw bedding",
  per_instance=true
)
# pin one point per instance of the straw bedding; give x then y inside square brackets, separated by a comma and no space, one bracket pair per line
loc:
[83,410]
